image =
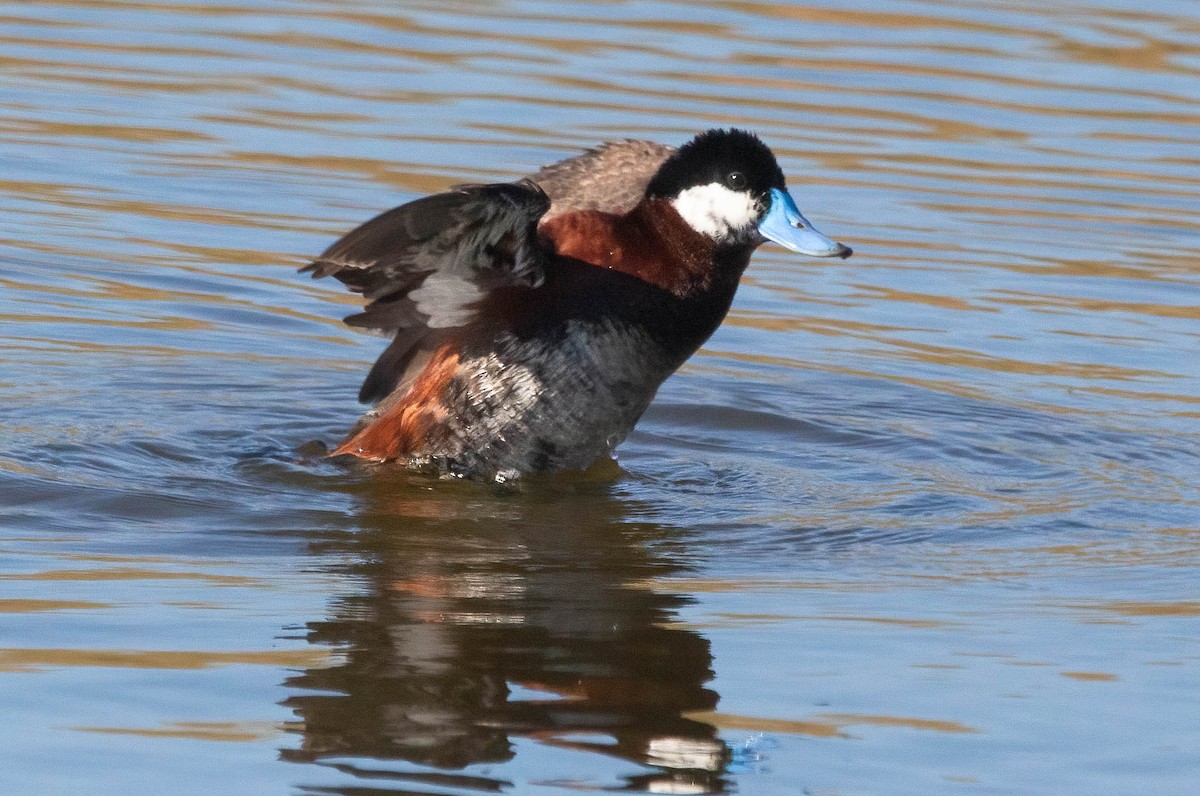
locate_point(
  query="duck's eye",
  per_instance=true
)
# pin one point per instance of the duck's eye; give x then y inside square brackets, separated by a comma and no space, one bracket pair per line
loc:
[735,180]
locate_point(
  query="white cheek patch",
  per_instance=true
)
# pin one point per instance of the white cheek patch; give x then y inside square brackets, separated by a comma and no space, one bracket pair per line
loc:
[445,298]
[717,211]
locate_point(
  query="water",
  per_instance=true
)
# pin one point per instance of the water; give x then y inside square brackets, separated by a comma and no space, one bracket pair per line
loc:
[923,521]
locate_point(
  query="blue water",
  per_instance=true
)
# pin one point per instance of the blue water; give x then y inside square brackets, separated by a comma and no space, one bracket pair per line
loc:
[922,521]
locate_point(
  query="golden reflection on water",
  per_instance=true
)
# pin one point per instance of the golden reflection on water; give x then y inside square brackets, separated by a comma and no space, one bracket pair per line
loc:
[828,725]
[1134,608]
[32,660]
[1091,677]
[731,620]
[226,731]
[130,573]
[18,606]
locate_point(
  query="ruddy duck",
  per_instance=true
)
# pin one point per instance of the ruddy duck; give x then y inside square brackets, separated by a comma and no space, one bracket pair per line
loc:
[532,322]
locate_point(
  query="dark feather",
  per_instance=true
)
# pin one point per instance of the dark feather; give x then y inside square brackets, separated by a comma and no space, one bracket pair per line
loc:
[393,364]
[423,266]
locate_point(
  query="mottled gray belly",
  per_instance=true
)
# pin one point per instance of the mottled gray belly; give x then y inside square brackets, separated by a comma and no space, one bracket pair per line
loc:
[545,405]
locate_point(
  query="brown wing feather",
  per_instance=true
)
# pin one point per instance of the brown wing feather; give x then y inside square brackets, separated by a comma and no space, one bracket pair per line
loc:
[611,178]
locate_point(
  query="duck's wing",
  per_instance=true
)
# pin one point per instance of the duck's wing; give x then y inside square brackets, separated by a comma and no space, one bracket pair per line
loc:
[611,178]
[424,267]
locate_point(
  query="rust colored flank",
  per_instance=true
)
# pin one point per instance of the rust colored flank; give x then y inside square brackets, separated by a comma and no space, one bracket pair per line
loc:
[404,428]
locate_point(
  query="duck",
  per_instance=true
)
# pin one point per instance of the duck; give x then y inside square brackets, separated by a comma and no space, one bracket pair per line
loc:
[532,322]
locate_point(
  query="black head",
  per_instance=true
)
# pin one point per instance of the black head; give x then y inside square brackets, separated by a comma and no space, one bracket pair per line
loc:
[720,183]
[733,158]
[727,185]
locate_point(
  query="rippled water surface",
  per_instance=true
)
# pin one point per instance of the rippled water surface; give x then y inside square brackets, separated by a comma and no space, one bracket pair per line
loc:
[923,521]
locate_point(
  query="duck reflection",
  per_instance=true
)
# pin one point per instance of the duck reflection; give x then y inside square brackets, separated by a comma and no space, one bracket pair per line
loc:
[485,618]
